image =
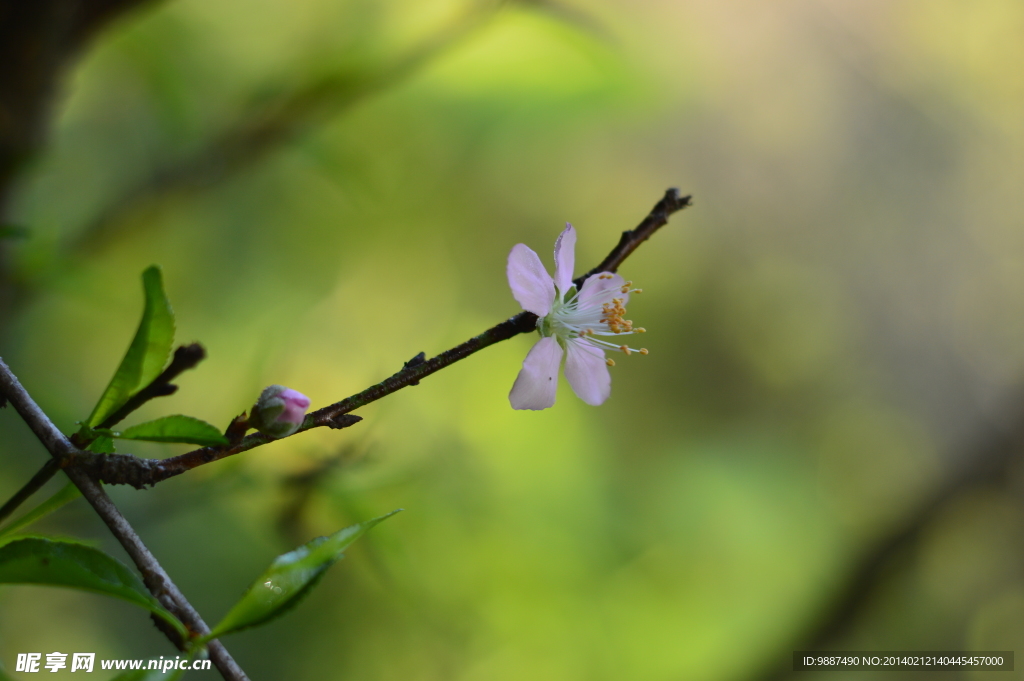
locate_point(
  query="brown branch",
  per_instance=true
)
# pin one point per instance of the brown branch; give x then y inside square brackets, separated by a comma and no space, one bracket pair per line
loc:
[185,357]
[154,576]
[49,469]
[631,240]
[141,472]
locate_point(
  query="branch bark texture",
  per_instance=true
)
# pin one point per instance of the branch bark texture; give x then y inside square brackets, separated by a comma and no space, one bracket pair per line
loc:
[156,579]
[86,470]
[126,469]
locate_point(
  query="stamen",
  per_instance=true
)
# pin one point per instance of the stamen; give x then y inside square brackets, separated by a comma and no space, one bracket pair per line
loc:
[571,320]
[609,361]
[643,351]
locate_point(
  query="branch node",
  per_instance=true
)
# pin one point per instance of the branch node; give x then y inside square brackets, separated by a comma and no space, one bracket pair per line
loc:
[343,420]
[164,390]
[421,358]
[185,357]
[129,470]
[237,428]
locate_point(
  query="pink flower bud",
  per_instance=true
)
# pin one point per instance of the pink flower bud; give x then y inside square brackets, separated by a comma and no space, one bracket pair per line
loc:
[279,411]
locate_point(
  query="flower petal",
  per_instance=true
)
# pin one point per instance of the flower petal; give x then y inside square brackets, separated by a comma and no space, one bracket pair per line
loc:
[597,291]
[295,406]
[537,380]
[531,284]
[565,257]
[587,372]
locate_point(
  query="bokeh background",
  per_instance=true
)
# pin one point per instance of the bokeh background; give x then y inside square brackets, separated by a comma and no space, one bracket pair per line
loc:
[821,448]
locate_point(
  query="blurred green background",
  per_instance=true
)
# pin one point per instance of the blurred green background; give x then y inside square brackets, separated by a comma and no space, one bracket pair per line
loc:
[332,186]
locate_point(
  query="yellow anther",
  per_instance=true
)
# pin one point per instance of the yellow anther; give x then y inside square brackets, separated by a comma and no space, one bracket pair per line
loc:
[609,361]
[613,313]
[639,329]
[625,349]
[643,351]
[638,290]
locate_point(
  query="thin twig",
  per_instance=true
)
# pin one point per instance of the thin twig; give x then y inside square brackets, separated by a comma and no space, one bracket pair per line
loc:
[631,240]
[141,472]
[185,357]
[154,576]
[49,469]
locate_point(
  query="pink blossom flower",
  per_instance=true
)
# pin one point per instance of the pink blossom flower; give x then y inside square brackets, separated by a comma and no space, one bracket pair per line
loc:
[569,322]
[279,412]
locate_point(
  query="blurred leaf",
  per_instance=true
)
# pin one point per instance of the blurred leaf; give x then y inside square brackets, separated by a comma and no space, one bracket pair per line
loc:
[13,232]
[62,563]
[67,494]
[147,353]
[290,577]
[103,444]
[176,428]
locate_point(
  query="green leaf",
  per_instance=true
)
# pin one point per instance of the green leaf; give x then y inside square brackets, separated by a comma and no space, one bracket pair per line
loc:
[147,353]
[290,577]
[68,493]
[103,444]
[176,428]
[62,563]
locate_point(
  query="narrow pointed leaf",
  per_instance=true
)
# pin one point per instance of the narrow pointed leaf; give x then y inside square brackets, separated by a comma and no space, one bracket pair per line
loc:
[176,428]
[289,578]
[48,562]
[67,494]
[147,355]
